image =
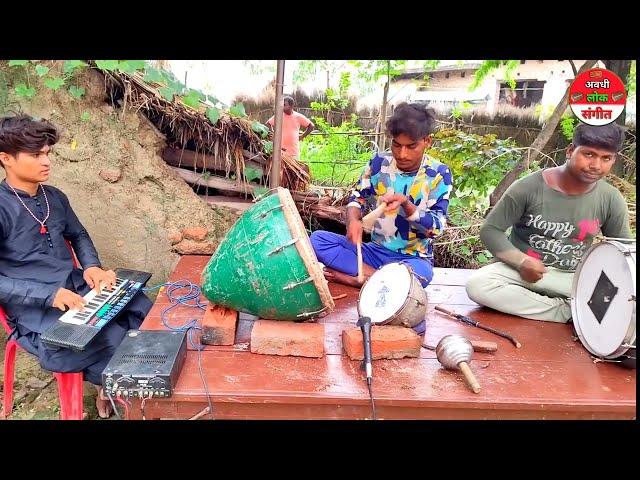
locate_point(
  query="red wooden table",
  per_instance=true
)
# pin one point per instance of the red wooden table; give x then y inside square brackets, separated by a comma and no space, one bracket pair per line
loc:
[551,377]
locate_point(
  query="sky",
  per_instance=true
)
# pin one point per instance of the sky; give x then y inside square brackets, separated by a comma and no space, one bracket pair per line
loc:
[225,79]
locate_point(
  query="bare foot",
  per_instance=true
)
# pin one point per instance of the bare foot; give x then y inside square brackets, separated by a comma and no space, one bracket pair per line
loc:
[105,410]
[339,277]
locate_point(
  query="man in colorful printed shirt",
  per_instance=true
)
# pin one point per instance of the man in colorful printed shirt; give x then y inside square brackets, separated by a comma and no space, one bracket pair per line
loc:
[416,189]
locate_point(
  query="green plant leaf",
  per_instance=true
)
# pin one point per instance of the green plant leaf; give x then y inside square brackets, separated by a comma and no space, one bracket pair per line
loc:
[41,70]
[153,75]
[260,129]
[23,91]
[237,110]
[258,191]
[482,258]
[109,65]
[18,63]
[268,146]
[465,250]
[70,65]
[167,93]
[213,114]
[192,98]
[252,173]
[76,92]
[54,83]
[85,116]
[130,66]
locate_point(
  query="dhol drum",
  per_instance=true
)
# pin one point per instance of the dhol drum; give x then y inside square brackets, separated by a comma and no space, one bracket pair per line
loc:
[603,302]
[394,296]
[266,265]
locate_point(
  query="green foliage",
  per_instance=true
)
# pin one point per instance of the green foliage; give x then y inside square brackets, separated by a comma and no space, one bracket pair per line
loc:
[237,110]
[18,63]
[193,98]
[54,83]
[335,158]
[23,91]
[268,146]
[108,65]
[631,80]
[568,124]
[70,66]
[42,70]
[489,66]
[85,116]
[260,129]
[213,114]
[477,164]
[76,92]
[252,173]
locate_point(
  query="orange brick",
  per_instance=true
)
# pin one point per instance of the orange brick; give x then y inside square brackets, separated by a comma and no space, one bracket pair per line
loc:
[195,233]
[387,341]
[219,326]
[275,337]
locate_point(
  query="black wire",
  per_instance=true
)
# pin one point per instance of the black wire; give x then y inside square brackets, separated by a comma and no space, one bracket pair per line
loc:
[373,405]
[115,410]
[204,382]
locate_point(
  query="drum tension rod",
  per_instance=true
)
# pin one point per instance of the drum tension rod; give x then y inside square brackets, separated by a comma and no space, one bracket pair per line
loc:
[266,212]
[282,247]
[295,284]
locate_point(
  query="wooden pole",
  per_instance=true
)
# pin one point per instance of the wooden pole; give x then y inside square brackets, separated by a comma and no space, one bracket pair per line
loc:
[274,181]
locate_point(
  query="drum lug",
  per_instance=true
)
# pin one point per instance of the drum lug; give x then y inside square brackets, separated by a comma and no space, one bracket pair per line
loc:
[626,345]
[282,247]
[632,298]
[310,314]
[295,284]
[266,212]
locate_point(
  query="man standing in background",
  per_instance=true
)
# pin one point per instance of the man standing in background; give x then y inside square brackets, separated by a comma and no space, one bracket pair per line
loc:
[291,123]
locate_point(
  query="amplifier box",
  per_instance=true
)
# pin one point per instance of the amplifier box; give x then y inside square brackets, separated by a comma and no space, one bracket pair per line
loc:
[146,364]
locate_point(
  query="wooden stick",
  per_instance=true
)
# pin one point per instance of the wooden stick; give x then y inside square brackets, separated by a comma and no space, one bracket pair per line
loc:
[370,218]
[470,321]
[360,273]
[478,346]
[469,377]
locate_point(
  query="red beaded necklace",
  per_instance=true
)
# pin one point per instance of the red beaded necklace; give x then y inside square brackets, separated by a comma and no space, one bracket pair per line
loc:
[43,229]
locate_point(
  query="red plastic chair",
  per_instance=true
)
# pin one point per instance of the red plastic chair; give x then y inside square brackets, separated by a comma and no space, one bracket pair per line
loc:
[69,384]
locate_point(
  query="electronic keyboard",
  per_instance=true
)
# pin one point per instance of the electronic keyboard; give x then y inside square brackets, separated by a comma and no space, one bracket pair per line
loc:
[75,329]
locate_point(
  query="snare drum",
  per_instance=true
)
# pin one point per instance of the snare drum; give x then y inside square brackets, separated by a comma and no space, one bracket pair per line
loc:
[603,301]
[393,295]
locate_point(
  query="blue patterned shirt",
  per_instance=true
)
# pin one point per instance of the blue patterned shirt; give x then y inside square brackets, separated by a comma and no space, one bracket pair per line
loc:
[428,189]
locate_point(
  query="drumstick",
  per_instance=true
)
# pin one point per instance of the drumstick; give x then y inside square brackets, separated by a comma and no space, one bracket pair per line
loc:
[370,218]
[360,274]
[469,321]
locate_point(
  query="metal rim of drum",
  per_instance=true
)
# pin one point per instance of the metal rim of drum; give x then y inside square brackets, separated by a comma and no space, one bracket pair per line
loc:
[630,335]
[303,245]
[412,278]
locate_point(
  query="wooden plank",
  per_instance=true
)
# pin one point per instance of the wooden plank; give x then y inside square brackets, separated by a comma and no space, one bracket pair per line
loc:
[570,390]
[551,376]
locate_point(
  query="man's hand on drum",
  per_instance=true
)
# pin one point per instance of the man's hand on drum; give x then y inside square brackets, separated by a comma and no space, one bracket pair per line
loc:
[354,231]
[531,269]
[397,200]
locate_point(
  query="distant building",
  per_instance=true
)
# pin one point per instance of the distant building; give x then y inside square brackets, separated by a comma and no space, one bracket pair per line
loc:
[538,82]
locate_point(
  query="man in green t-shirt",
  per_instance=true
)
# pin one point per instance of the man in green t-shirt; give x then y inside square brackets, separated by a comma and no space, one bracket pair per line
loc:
[554,215]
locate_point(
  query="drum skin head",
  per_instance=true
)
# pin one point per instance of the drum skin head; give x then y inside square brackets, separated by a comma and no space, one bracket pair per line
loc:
[385,293]
[603,299]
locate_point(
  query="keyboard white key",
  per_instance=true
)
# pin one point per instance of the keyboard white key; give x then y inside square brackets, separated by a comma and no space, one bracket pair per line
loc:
[76,317]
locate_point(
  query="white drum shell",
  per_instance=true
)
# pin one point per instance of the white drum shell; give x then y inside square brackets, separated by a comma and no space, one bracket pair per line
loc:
[393,295]
[616,334]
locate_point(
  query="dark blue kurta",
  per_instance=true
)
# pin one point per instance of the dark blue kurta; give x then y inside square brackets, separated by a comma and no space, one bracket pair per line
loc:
[34,266]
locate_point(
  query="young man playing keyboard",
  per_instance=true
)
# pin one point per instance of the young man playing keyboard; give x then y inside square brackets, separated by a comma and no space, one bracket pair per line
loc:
[37,277]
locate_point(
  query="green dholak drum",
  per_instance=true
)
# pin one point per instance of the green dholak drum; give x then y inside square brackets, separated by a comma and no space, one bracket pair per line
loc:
[266,265]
